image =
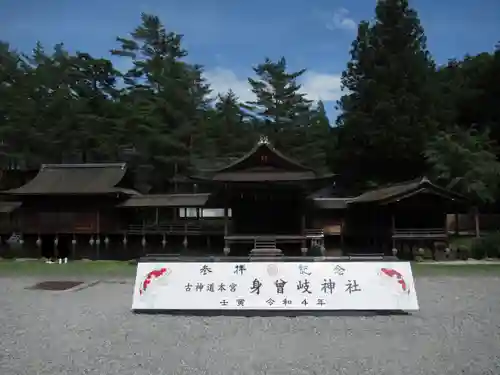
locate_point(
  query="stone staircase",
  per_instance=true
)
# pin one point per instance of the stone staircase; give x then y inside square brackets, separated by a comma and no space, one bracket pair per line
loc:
[265,247]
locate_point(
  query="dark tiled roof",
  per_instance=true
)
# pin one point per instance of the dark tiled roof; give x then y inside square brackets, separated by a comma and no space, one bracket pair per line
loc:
[387,191]
[214,164]
[167,200]
[261,164]
[8,207]
[403,190]
[328,199]
[75,179]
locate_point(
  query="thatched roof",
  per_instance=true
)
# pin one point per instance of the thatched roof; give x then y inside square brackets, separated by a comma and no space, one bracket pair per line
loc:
[75,179]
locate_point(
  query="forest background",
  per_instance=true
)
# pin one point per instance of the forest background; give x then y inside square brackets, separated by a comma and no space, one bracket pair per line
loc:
[401,115]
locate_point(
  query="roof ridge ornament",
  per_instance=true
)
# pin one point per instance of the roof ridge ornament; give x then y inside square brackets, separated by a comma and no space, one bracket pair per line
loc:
[264,140]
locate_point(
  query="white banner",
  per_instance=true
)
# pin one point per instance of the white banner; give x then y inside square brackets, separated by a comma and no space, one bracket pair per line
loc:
[275,286]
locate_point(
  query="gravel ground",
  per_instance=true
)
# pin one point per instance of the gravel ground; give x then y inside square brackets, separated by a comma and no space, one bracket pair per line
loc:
[92,331]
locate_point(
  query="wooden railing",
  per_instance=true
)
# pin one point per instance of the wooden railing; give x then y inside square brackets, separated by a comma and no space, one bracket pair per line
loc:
[419,233]
[193,227]
[314,233]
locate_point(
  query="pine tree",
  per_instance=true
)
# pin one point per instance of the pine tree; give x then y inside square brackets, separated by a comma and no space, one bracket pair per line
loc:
[388,112]
[166,97]
[318,139]
[14,131]
[233,138]
[279,101]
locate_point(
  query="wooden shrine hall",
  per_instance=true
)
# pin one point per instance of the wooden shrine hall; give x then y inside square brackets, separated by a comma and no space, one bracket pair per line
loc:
[267,193]
[264,203]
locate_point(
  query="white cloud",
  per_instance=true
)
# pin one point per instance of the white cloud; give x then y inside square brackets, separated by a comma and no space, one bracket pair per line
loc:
[222,80]
[316,86]
[321,86]
[341,21]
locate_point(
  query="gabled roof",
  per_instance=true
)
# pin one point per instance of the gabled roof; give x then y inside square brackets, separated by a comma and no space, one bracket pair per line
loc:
[166,200]
[404,190]
[75,179]
[274,158]
[262,164]
[327,199]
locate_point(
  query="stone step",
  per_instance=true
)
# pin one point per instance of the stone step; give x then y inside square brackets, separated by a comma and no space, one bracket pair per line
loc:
[265,245]
[269,252]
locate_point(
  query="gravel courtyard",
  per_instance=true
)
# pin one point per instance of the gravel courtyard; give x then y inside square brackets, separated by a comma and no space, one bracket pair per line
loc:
[92,331]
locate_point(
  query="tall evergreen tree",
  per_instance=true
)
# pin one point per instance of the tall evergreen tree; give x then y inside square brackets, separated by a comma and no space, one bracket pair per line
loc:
[318,138]
[14,86]
[230,132]
[166,97]
[388,111]
[279,103]
[465,160]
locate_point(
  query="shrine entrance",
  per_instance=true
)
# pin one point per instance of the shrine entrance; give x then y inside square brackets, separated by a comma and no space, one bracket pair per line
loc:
[266,192]
[263,211]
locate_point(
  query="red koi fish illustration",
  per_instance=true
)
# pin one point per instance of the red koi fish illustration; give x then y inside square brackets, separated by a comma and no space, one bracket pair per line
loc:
[154,274]
[393,273]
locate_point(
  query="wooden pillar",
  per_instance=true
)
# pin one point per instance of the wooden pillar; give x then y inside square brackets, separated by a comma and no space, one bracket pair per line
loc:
[157,216]
[342,226]
[303,246]
[447,238]
[393,229]
[98,222]
[457,226]
[98,240]
[73,247]
[226,221]
[226,230]
[476,221]
[56,247]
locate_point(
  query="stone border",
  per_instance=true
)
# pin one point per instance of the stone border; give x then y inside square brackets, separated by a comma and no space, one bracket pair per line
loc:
[470,262]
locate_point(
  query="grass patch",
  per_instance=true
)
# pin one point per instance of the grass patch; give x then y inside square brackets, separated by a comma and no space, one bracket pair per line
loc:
[10,268]
[423,269]
[77,268]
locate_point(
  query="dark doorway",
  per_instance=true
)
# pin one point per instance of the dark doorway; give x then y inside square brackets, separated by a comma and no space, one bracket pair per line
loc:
[47,246]
[269,211]
[64,246]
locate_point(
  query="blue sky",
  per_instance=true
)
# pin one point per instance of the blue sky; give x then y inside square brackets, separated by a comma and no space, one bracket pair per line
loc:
[229,37]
